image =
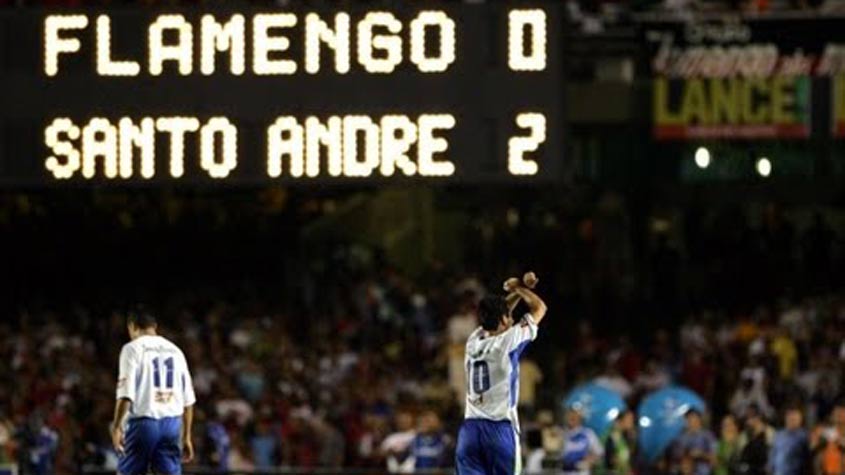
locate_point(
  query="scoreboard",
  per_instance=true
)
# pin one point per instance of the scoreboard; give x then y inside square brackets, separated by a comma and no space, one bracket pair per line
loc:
[315,93]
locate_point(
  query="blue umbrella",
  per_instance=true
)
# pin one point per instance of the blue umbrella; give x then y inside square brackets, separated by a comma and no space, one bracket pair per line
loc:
[661,418]
[598,406]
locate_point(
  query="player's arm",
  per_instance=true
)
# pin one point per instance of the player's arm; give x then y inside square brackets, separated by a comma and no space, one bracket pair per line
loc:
[121,407]
[187,428]
[513,298]
[536,307]
[125,394]
[190,399]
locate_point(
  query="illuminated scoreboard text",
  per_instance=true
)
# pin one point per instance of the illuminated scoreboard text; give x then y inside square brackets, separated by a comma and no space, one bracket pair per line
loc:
[462,93]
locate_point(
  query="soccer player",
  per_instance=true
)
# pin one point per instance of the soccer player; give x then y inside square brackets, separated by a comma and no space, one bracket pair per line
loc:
[155,391]
[488,441]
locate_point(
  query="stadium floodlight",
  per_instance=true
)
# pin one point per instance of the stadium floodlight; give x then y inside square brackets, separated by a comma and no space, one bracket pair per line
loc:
[764,167]
[702,157]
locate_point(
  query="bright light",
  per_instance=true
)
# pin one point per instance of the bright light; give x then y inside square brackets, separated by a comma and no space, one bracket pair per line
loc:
[702,157]
[764,167]
[645,422]
[613,414]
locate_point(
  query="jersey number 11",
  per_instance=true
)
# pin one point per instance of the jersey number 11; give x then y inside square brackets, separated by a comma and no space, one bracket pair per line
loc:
[168,365]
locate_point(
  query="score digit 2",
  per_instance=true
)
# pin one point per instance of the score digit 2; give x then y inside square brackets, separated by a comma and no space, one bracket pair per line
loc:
[535,125]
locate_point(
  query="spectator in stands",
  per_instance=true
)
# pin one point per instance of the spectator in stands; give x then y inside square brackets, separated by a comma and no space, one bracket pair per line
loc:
[530,376]
[613,380]
[749,393]
[395,447]
[786,353]
[330,441]
[731,442]
[265,453]
[831,458]
[697,372]
[697,444]
[38,444]
[535,454]
[753,459]
[551,433]
[581,447]
[654,377]
[217,442]
[431,446]
[790,453]
[6,436]
[620,445]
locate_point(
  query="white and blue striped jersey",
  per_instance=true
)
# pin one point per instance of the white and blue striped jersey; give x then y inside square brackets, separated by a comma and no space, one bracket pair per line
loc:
[492,364]
[154,375]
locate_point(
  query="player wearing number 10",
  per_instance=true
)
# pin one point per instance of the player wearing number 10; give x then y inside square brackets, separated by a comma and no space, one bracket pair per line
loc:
[488,441]
[155,390]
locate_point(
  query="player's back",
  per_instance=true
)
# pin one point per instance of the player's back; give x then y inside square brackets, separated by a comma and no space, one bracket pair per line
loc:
[492,364]
[488,443]
[154,375]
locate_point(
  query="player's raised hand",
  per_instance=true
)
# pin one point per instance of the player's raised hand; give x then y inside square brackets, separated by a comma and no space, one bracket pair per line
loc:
[117,439]
[530,280]
[187,450]
[511,284]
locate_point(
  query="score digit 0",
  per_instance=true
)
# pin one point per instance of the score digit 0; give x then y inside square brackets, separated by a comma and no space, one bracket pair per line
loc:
[534,59]
[520,145]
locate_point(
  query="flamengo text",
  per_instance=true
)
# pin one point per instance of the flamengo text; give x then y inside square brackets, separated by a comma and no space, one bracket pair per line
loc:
[376,43]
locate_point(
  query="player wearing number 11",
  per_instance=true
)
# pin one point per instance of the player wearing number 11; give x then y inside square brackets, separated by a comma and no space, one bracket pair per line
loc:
[488,442]
[155,391]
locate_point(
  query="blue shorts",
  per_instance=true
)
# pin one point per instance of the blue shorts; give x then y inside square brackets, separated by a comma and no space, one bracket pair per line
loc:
[487,448]
[152,445]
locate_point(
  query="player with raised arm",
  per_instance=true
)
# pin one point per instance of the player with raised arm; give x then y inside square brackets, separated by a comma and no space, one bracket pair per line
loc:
[488,441]
[155,391]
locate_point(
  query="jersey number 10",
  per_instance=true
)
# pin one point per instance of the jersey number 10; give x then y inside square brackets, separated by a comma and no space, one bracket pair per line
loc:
[168,365]
[479,376]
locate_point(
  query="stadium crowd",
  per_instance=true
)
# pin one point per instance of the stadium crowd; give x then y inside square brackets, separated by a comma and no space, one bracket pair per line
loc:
[363,368]
[370,386]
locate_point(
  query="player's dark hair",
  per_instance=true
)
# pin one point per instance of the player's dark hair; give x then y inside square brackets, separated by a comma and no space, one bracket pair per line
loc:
[141,319]
[491,309]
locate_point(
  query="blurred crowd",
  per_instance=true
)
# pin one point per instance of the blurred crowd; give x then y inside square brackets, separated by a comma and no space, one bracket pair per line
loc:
[333,356]
[371,385]
[772,379]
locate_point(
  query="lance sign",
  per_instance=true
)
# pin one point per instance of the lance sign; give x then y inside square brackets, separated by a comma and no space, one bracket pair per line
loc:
[740,79]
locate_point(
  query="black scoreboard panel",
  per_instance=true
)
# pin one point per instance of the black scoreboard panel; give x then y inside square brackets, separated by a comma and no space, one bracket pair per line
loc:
[430,92]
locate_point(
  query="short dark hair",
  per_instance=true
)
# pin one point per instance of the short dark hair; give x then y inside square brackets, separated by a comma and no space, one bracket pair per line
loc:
[491,309]
[141,319]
